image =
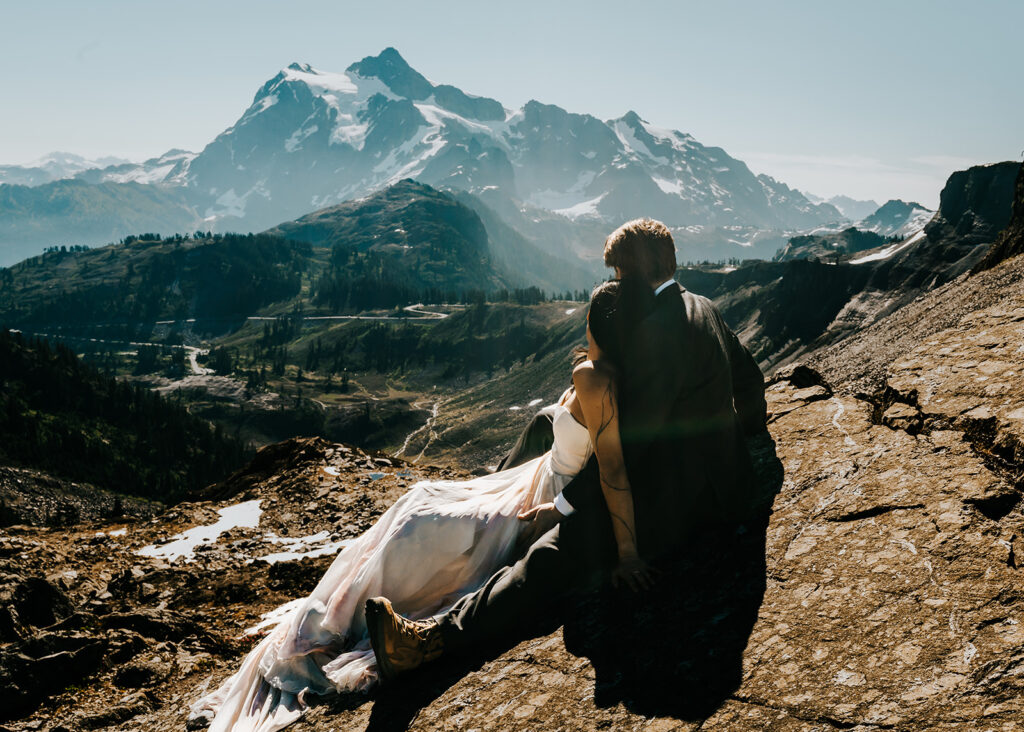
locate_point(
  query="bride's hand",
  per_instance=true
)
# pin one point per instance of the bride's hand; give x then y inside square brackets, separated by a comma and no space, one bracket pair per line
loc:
[633,572]
[541,519]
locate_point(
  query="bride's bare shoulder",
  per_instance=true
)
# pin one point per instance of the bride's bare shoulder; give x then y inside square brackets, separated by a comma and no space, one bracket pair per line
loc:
[590,377]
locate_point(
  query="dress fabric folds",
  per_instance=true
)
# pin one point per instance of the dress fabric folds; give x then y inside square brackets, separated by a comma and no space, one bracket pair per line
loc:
[439,541]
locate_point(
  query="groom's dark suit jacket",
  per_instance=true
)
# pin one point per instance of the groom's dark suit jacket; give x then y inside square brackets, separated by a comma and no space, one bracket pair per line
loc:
[687,395]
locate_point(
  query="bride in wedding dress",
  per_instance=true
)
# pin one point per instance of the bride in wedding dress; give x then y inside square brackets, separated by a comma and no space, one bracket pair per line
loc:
[439,541]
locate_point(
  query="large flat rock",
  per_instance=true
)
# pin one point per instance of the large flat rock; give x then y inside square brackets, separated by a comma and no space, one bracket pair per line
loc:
[972,377]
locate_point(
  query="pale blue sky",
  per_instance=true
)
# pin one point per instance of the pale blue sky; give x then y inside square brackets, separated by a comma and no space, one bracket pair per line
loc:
[871,99]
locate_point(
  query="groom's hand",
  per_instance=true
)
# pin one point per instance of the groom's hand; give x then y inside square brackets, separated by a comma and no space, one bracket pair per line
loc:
[634,573]
[540,519]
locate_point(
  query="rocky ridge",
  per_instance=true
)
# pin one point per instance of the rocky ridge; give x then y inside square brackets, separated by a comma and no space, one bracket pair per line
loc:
[859,362]
[797,309]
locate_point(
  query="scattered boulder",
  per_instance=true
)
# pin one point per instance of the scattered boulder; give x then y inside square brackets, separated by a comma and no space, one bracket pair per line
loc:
[27,602]
[142,672]
[158,624]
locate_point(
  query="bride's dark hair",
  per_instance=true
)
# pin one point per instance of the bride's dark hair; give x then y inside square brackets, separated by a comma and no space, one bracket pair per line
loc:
[616,307]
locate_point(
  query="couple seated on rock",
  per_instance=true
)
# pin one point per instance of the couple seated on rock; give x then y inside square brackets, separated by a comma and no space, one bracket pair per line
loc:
[647,445]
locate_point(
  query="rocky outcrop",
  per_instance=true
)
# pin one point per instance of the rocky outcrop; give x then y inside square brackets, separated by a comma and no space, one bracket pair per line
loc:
[973,204]
[1011,241]
[33,497]
[969,379]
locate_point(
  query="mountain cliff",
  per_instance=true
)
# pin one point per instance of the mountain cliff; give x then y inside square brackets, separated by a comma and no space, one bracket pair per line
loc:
[1010,242]
[859,362]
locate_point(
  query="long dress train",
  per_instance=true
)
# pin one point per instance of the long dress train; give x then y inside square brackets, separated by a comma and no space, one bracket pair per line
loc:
[439,541]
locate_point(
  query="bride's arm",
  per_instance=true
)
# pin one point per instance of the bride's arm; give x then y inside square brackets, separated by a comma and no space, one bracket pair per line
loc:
[596,393]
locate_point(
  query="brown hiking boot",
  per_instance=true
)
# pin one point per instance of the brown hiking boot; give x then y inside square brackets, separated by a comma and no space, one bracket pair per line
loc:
[400,644]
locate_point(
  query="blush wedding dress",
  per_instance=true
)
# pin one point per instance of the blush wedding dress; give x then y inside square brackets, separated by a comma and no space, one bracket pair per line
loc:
[439,541]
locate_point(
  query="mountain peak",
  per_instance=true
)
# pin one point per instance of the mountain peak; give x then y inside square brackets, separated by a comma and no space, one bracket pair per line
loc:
[389,67]
[631,118]
[899,203]
[305,68]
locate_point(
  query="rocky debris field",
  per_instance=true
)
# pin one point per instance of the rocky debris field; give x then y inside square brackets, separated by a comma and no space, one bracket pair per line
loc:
[882,592]
[36,498]
[95,635]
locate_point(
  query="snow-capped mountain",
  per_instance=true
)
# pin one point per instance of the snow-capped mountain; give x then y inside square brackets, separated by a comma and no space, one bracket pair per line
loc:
[897,218]
[54,166]
[167,168]
[313,138]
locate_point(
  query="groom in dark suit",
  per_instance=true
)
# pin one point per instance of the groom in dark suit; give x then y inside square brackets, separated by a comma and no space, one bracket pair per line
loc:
[687,396]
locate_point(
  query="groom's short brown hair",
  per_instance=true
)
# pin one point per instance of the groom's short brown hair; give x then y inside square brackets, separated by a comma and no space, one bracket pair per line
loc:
[642,248]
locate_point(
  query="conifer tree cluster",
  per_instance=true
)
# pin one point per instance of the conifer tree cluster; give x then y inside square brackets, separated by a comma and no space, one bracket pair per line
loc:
[61,415]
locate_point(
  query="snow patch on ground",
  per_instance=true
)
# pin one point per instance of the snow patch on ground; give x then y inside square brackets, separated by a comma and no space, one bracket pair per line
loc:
[141,175]
[301,547]
[245,514]
[231,204]
[349,132]
[321,82]
[570,197]
[889,250]
[916,221]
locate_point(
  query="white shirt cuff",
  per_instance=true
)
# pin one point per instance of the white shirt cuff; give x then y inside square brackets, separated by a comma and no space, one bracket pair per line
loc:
[563,506]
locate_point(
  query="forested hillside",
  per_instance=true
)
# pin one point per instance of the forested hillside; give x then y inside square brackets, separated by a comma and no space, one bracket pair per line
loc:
[61,415]
[214,278]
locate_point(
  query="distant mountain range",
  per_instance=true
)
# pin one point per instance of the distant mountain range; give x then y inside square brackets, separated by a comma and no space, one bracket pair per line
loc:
[850,208]
[55,166]
[313,138]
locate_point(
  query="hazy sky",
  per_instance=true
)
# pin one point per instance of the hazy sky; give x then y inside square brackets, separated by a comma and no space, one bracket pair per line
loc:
[871,99]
